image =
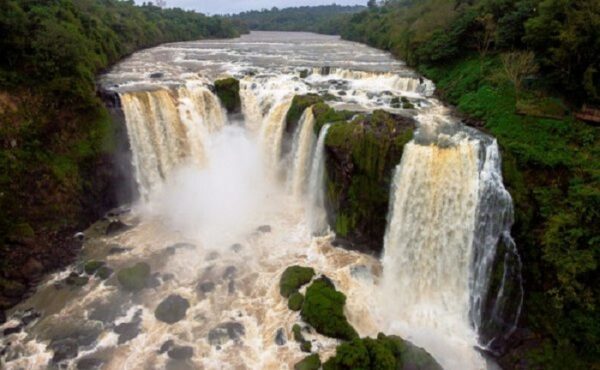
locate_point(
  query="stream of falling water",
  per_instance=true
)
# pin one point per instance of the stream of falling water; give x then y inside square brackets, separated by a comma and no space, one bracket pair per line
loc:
[222,214]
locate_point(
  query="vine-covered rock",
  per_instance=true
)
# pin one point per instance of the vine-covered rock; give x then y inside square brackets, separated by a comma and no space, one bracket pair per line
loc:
[293,278]
[323,309]
[311,362]
[228,91]
[360,161]
[384,353]
[295,301]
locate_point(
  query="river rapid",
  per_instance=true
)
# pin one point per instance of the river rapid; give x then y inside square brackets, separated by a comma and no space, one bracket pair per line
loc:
[227,202]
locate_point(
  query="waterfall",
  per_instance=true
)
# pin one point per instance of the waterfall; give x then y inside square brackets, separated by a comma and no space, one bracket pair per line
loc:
[494,220]
[449,211]
[167,128]
[271,136]
[317,214]
[302,150]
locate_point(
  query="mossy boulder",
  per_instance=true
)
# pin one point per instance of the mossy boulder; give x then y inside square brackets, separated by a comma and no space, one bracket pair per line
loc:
[172,309]
[104,272]
[312,362]
[293,278]
[295,301]
[228,91]
[323,309]
[92,266]
[360,161]
[134,278]
[384,353]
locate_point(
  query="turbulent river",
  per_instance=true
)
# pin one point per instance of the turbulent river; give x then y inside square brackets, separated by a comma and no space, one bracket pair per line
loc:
[224,209]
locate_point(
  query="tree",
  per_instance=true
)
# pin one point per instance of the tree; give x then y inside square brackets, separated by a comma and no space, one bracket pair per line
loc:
[372,4]
[517,65]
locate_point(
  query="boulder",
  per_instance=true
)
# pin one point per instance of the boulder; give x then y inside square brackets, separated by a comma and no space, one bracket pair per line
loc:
[64,349]
[323,309]
[311,362]
[295,301]
[134,278]
[227,331]
[115,227]
[293,278]
[181,353]
[172,309]
[92,266]
[89,363]
[206,286]
[280,339]
[264,229]
[104,272]
[74,279]
[237,247]
[166,346]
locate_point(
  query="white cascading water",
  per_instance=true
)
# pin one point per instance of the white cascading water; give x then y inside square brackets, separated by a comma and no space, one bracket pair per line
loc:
[317,214]
[302,150]
[448,211]
[494,220]
[271,136]
[168,127]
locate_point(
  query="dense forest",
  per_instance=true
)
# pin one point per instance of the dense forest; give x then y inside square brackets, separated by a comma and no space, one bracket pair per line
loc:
[55,133]
[520,70]
[327,19]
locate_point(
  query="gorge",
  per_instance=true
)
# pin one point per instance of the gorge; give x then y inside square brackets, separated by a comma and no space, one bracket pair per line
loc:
[337,149]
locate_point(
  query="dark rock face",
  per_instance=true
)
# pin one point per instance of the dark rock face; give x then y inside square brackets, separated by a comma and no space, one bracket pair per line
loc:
[166,346]
[89,363]
[172,309]
[230,272]
[227,331]
[2,317]
[228,91]
[206,287]
[64,350]
[237,247]
[129,330]
[264,229]
[181,353]
[360,159]
[115,227]
[280,338]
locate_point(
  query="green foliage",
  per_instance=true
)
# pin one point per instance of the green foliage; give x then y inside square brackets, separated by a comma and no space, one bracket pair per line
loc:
[551,169]
[92,266]
[366,150]
[322,19]
[228,91]
[311,362]
[298,106]
[134,278]
[293,278]
[323,308]
[385,353]
[295,301]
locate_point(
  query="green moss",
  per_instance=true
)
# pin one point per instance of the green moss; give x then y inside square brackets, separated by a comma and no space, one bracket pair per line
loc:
[298,106]
[134,278]
[385,353]
[295,301]
[293,278]
[228,91]
[22,230]
[297,332]
[104,272]
[323,309]
[312,362]
[92,266]
[366,151]
[306,346]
